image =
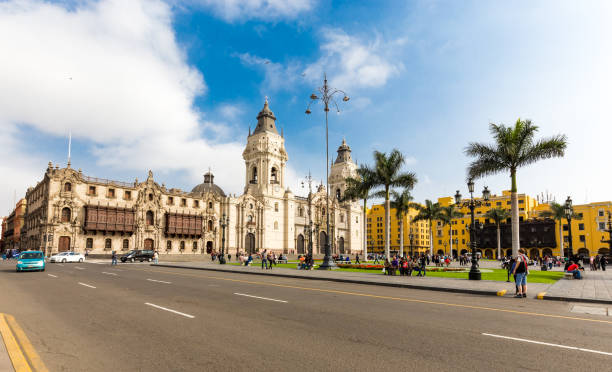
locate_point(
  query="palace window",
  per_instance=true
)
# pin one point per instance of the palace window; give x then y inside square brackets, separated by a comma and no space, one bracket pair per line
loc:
[196,204]
[92,190]
[111,193]
[183,202]
[126,244]
[149,218]
[127,195]
[195,246]
[168,245]
[67,187]
[108,244]
[170,200]
[580,226]
[89,243]
[182,245]
[66,214]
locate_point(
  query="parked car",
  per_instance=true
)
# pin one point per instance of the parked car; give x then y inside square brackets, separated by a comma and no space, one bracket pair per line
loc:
[67,257]
[31,261]
[137,255]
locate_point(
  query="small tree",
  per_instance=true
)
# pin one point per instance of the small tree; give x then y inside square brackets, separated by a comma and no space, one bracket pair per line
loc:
[498,215]
[429,212]
[402,202]
[447,214]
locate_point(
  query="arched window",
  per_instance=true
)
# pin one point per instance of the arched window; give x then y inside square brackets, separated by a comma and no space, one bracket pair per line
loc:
[168,245]
[150,197]
[254,175]
[67,187]
[126,244]
[275,207]
[89,243]
[338,194]
[182,245]
[149,218]
[108,244]
[249,218]
[195,246]
[210,205]
[323,211]
[210,225]
[273,175]
[66,214]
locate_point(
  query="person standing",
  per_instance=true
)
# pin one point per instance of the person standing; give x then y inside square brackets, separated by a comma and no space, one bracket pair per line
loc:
[357,259]
[156,257]
[521,270]
[603,263]
[114,258]
[264,259]
[376,258]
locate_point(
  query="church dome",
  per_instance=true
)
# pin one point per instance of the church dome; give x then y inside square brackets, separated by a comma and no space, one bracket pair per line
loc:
[208,186]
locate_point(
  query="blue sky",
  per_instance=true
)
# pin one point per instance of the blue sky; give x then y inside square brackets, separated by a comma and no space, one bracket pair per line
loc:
[174,86]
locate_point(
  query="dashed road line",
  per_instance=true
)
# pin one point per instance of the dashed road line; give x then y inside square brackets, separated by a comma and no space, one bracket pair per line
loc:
[159,281]
[86,285]
[548,344]
[170,310]
[261,298]
[80,268]
[53,276]
[104,272]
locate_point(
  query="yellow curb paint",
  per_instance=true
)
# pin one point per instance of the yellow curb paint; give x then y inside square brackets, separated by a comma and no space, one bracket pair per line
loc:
[502,292]
[35,361]
[541,295]
[12,347]
[406,299]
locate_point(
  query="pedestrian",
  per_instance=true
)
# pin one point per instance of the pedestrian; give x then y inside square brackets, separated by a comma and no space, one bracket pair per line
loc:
[376,259]
[156,257]
[357,259]
[603,263]
[264,260]
[114,258]
[387,267]
[510,268]
[521,270]
[423,267]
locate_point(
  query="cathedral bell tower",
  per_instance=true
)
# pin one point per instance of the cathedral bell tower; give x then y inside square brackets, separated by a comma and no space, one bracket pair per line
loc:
[341,169]
[265,157]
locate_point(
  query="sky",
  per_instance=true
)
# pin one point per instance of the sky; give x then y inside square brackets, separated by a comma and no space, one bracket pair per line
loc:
[173,86]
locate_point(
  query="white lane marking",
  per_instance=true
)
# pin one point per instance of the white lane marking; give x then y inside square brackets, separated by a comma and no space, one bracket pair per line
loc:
[104,272]
[170,310]
[87,285]
[53,276]
[159,281]
[261,298]
[549,344]
[80,268]
[61,264]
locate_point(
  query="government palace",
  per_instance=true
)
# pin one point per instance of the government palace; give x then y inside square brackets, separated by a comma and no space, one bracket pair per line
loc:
[69,211]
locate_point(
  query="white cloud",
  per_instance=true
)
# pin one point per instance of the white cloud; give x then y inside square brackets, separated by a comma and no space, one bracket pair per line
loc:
[278,77]
[351,62]
[113,73]
[234,10]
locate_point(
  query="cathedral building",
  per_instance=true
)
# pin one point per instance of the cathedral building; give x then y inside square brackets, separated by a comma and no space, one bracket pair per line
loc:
[69,211]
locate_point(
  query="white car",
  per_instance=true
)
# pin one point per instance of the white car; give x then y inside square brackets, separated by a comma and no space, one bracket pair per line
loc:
[67,257]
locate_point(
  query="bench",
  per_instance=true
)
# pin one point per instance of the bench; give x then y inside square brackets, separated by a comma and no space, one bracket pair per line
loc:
[281,261]
[568,276]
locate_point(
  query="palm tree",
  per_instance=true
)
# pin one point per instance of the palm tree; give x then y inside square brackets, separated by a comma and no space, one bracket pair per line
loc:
[387,174]
[447,214]
[360,188]
[498,215]
[429,212]
[402,202]
[557,212]
[514,148]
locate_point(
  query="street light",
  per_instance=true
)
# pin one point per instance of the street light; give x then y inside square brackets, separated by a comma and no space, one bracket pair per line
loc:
[327,97]
[568,215]
[223,222]
[472,204]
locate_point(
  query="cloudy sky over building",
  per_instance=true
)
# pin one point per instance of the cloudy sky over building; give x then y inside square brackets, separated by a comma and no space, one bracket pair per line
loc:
[173,86]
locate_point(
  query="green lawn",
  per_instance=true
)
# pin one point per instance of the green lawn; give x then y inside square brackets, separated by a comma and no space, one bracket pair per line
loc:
[499,275]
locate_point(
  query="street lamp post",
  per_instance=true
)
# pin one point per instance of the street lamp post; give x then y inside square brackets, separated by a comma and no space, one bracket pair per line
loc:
[327,97]
[568,216]
[472,204]
[223,222]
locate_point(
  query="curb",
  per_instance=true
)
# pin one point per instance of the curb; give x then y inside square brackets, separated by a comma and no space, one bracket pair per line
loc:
[576,299]
[21,352]
[351,281]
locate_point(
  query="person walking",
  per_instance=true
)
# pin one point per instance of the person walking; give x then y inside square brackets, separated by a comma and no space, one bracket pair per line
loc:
[603,263]
[376,259]
[156,257]
[357,259]
[264,259]
[114,258]
[521,270]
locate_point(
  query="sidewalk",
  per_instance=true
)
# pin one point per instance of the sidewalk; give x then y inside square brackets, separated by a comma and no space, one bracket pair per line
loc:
[596,287]
[482,287]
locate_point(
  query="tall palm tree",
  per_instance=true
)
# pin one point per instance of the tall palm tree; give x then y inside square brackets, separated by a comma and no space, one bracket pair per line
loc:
[428,212]
[514,147]
[387,174]
[447,214]
[402,202]
[360,188]
[498,215]
[557,212]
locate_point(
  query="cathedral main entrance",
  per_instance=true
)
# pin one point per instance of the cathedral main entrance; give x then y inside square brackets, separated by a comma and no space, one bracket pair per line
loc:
[300,244]
[249,243]
[209,247]
[322,238]
[64,244]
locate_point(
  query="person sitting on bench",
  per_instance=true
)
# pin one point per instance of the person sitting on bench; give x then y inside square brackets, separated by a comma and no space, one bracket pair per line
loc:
[574,270]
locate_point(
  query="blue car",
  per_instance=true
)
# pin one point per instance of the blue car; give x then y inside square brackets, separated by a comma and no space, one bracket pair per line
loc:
[31,261]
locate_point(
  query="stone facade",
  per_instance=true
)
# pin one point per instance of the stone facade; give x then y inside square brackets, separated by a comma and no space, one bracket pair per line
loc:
[67,210]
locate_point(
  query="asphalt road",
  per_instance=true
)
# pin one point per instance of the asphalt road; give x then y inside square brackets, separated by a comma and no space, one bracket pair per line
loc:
[134,317]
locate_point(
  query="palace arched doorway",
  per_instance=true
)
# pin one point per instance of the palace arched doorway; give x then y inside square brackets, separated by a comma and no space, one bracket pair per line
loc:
[148,244]
[300,244]
[341,245]
[250,243]
[209,247]
[64,244]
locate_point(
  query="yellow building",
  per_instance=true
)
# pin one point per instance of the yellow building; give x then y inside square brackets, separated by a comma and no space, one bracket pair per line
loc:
[376,231]
[587,233]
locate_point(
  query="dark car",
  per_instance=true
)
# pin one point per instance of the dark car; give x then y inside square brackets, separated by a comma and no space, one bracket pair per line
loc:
[137,255]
